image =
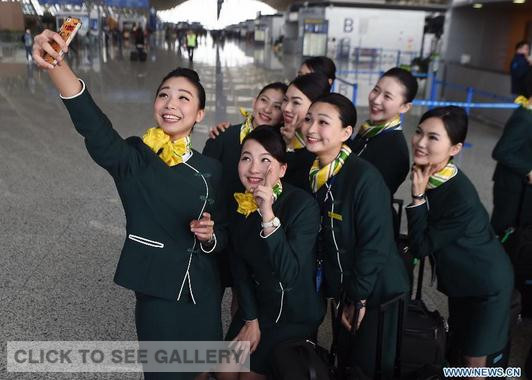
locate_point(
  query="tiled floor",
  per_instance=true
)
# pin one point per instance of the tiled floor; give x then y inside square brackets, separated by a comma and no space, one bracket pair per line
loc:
[61,222]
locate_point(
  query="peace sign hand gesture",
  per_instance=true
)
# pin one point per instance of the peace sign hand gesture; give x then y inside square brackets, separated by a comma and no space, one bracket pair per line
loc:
[288,132]
[264,197]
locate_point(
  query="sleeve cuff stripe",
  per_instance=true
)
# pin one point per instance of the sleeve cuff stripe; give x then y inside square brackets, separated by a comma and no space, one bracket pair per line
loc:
[78,94]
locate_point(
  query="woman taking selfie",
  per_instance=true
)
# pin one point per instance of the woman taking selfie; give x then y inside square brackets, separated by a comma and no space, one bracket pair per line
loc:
[168,192]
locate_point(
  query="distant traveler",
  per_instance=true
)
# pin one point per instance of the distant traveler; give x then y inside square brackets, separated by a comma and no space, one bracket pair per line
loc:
[192,42]
[139,38]
[28,44]
[519,67]
[513,172]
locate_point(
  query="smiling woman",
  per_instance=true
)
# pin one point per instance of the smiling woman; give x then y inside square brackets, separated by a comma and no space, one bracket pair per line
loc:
[180,103]
[274,257]
[447,222]
[225,147]
[359,253]
[171,201]
[301,92]
[380,140]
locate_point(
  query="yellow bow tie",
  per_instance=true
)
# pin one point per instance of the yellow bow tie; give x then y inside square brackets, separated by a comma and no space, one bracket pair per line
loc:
[523,102]
[173,152]
[246,203]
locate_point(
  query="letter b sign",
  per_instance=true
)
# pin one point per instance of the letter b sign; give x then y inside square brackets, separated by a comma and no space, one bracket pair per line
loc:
[348,25]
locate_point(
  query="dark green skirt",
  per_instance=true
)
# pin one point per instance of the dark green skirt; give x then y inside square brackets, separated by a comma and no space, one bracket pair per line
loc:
[158,319]
[480,325]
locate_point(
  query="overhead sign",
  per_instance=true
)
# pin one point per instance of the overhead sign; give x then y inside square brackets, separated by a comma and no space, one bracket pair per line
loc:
[128,3]
[61,2]
[111,3]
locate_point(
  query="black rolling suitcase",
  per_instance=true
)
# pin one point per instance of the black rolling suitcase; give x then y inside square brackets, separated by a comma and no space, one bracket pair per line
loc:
[424,337]
[355,373]
[139,54]
[300,359]
[143,55]
[518,244]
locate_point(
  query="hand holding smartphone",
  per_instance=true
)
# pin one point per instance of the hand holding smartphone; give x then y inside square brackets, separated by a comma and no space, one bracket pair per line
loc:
[67,32]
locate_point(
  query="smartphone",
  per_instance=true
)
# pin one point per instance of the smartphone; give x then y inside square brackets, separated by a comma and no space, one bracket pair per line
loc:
[67,32]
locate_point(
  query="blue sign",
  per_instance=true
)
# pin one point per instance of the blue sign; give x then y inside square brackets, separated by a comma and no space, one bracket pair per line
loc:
[61,2]
[128,3]
[111,3]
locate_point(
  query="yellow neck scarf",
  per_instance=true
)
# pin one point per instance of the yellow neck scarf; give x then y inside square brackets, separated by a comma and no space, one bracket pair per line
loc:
[319,176]
[173,152]
[523,102]
[247,125]
[298,142]
[369,130]
[246,201]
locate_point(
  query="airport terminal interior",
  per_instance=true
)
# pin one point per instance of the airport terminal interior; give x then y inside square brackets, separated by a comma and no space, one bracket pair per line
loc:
[62,224]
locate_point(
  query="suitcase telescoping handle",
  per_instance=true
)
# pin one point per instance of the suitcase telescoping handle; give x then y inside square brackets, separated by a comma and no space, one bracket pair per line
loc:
[524,204]
[399,203]
[419,287]
[382,309]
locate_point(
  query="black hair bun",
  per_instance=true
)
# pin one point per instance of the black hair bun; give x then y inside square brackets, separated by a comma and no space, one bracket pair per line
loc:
[189,73]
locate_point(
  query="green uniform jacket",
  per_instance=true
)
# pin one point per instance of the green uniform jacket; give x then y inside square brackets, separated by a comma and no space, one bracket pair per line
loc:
[453,227]
[388,152]
[513,154]
[226,149]
[360,254]
[160,256]
[275,276]
[299,164]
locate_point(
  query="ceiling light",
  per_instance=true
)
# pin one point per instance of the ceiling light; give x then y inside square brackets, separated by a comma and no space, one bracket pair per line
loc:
[477,5]
[519,1]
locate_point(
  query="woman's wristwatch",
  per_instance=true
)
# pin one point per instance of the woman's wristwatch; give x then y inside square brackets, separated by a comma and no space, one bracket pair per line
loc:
[275,222]
[418,197]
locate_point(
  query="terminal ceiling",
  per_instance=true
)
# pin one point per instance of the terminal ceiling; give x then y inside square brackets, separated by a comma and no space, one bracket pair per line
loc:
[280,5]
